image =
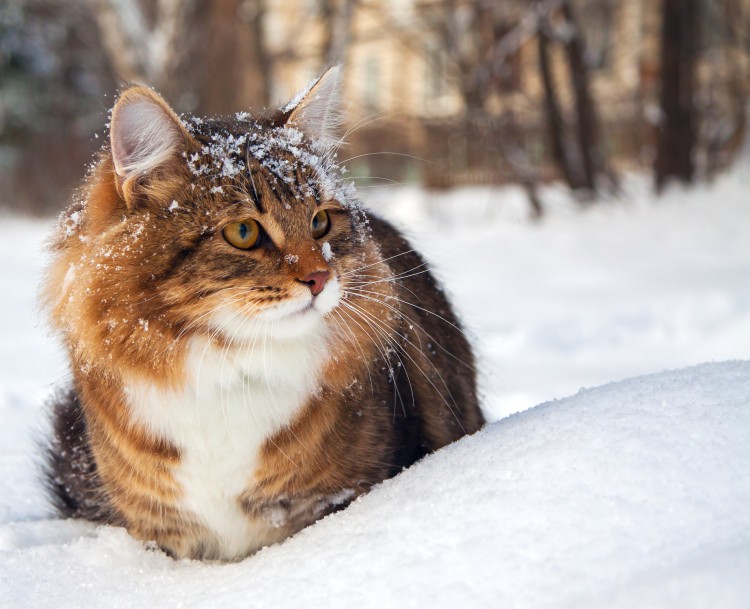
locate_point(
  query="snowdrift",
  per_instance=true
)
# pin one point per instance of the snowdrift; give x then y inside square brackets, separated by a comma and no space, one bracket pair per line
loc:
[633,494]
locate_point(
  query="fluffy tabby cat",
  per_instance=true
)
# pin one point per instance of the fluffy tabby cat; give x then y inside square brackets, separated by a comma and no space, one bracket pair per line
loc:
[249,350]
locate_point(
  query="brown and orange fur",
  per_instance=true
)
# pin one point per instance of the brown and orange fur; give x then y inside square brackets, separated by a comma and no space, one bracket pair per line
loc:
[140,266]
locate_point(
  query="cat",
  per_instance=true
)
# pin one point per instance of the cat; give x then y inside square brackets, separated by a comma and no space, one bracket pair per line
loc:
[250,349]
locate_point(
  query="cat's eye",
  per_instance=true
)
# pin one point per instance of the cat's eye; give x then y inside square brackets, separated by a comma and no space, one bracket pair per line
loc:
[244,235]
[320,224]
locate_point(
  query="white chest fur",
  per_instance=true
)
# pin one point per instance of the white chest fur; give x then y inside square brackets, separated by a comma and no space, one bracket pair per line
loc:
[233,401]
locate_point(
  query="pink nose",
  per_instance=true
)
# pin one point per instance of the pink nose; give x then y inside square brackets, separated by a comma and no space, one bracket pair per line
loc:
[316,281]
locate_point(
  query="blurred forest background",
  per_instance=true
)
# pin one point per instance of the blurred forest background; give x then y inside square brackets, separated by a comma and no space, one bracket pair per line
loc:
[440,92]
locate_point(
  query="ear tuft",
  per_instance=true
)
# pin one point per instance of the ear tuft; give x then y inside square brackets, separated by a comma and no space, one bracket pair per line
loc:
[144,132]
[317,111]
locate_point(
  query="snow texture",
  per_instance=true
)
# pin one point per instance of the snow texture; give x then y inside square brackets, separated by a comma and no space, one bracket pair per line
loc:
[224,156]
[295,101]
[633,494]
[308,136]
[223,159]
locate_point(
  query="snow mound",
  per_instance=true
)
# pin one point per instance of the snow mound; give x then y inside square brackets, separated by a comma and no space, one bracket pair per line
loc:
[633,494]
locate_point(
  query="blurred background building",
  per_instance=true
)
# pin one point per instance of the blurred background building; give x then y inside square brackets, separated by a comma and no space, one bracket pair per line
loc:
[440,92]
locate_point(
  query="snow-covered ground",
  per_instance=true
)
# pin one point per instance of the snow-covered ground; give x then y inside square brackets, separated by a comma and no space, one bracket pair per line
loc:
[633,494]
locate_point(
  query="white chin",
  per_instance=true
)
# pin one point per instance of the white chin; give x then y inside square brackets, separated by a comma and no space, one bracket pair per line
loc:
[294,325]
[289,320]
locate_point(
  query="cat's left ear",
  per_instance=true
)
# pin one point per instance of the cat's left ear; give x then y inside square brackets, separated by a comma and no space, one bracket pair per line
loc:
[317,111]
[145,133]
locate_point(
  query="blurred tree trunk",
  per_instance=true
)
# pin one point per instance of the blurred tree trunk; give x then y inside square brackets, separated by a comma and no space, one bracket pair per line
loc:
[264,62]
[737,28]
[566,149]
[231,67]
[516,157]
[141,51]
[677,133]
[586,118]
[577,153]
[337,19]
[555,123]
[206,57]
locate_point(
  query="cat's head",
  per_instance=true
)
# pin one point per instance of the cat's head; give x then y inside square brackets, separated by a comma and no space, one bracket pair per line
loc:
[229,227]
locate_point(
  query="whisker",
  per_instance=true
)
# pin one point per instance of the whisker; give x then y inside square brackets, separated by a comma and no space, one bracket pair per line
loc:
[411,156]
[416,365]
[390,342]
[355,342]
[396,278]
[412,321]
[376,263]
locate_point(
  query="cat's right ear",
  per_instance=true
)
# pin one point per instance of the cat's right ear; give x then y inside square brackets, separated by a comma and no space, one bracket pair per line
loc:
[145,133]
[317,110]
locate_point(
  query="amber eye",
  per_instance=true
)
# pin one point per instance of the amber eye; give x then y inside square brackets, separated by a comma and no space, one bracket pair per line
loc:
[244,235]
[320,224]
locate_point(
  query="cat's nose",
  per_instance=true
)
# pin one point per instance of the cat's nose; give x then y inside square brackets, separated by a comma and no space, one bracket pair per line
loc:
[316,281]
